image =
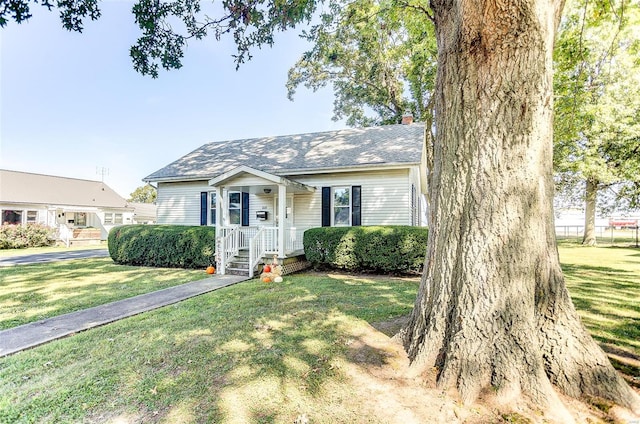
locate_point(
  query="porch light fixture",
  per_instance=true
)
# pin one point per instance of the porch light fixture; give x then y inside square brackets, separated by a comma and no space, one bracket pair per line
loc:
[267,190]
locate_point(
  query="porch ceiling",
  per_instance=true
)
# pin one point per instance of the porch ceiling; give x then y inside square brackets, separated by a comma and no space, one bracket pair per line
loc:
[234,178]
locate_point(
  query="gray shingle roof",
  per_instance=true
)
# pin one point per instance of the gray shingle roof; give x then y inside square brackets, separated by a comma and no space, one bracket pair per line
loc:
[282,155]
[25,187]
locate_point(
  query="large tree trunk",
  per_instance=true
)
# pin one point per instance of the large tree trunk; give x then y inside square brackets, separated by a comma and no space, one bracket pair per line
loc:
[591,192]
[493,311]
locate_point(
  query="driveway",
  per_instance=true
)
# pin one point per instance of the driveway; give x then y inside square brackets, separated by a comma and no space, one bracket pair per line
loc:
[53,257]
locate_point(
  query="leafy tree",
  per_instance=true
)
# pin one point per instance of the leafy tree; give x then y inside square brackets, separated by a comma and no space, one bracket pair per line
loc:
[597,125]
[379,58]
[144,194]
[492,314]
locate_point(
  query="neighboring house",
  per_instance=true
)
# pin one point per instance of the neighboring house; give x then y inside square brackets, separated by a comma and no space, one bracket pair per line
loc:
[80,210]
[145,213]
[263,193]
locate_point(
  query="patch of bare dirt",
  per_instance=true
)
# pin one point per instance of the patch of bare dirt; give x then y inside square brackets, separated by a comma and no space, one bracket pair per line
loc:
[378,365]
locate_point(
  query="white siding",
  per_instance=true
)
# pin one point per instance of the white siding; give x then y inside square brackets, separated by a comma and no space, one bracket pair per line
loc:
[386,197]
[247,180]
[179,203]
[261,203]
[415,178]
[41,217]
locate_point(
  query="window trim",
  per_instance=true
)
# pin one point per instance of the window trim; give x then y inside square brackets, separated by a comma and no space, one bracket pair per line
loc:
[35,217]
[213,208]
[348,207]
[414,205]
[239,208]
[15,212]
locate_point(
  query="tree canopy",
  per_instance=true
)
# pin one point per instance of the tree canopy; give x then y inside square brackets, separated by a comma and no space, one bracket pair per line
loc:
[597,102]
[144,194]
[167,26]
[380,58]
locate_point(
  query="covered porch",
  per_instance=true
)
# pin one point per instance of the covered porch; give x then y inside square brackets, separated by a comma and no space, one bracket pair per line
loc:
[254,218]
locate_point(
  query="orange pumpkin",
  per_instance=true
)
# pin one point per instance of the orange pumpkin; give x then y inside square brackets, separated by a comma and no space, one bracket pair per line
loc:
[211,269]
[267,268]
[266,279]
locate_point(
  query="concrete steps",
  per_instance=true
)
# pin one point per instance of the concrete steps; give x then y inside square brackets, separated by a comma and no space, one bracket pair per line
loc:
[239,265]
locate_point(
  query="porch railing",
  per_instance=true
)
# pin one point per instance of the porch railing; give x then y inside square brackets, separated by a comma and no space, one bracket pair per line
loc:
[257,249]
[229,246]
[260,241]
[293,239]
[65,234]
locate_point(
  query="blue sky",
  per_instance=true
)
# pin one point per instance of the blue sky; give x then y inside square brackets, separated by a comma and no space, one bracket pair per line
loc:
[71,103]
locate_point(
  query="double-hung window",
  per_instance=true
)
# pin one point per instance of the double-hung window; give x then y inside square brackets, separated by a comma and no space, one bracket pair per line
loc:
[212,208]
[235,207]
[341,206]
[32,217]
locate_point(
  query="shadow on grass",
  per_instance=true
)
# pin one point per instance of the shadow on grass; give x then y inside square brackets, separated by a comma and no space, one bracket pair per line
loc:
[252,352]
[608,301]
[33,292]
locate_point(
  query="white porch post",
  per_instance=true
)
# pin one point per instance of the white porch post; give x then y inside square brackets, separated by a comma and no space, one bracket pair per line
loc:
[219,206]
[282,212]
[220,247]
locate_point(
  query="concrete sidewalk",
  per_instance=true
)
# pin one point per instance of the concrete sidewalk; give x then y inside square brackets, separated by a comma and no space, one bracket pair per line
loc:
[29,335]
[38,258]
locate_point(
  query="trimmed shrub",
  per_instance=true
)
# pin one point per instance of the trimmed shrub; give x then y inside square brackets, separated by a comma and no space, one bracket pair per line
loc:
[21,236]
[170,246]
[389,249]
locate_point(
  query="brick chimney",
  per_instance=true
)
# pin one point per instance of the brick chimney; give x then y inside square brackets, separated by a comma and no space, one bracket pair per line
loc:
[407,119]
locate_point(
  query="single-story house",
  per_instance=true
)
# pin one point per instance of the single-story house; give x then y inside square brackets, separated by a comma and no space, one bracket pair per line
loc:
[144,213]
[263,193]
[81,211]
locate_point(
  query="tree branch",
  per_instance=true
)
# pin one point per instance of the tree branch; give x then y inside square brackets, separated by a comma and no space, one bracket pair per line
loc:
[419,8]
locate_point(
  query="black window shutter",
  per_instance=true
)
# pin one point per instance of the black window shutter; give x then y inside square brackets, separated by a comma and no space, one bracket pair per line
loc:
[326,206]
[245,209]
[355,206]
[203,208]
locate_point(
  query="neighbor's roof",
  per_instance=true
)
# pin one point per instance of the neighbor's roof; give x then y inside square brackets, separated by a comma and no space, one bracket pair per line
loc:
[144,210]
[301,153]
[25,187]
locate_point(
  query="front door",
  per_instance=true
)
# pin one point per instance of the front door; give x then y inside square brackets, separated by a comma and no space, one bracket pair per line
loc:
[288,219]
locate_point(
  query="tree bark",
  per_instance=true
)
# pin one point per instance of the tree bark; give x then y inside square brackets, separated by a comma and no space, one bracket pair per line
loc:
[591,191]
[493,313]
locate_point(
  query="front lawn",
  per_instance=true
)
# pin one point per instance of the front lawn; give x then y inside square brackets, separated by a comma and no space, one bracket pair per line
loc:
[253,352]
[33,292]
[267,353]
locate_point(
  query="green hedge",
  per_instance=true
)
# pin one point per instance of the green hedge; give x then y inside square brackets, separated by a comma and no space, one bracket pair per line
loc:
[393,249]
[170,246]
[21,236]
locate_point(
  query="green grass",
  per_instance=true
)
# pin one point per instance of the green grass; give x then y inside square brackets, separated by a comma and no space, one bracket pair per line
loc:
[7,253]
[604,284]
[33,292]
[265,353]
[253,352]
